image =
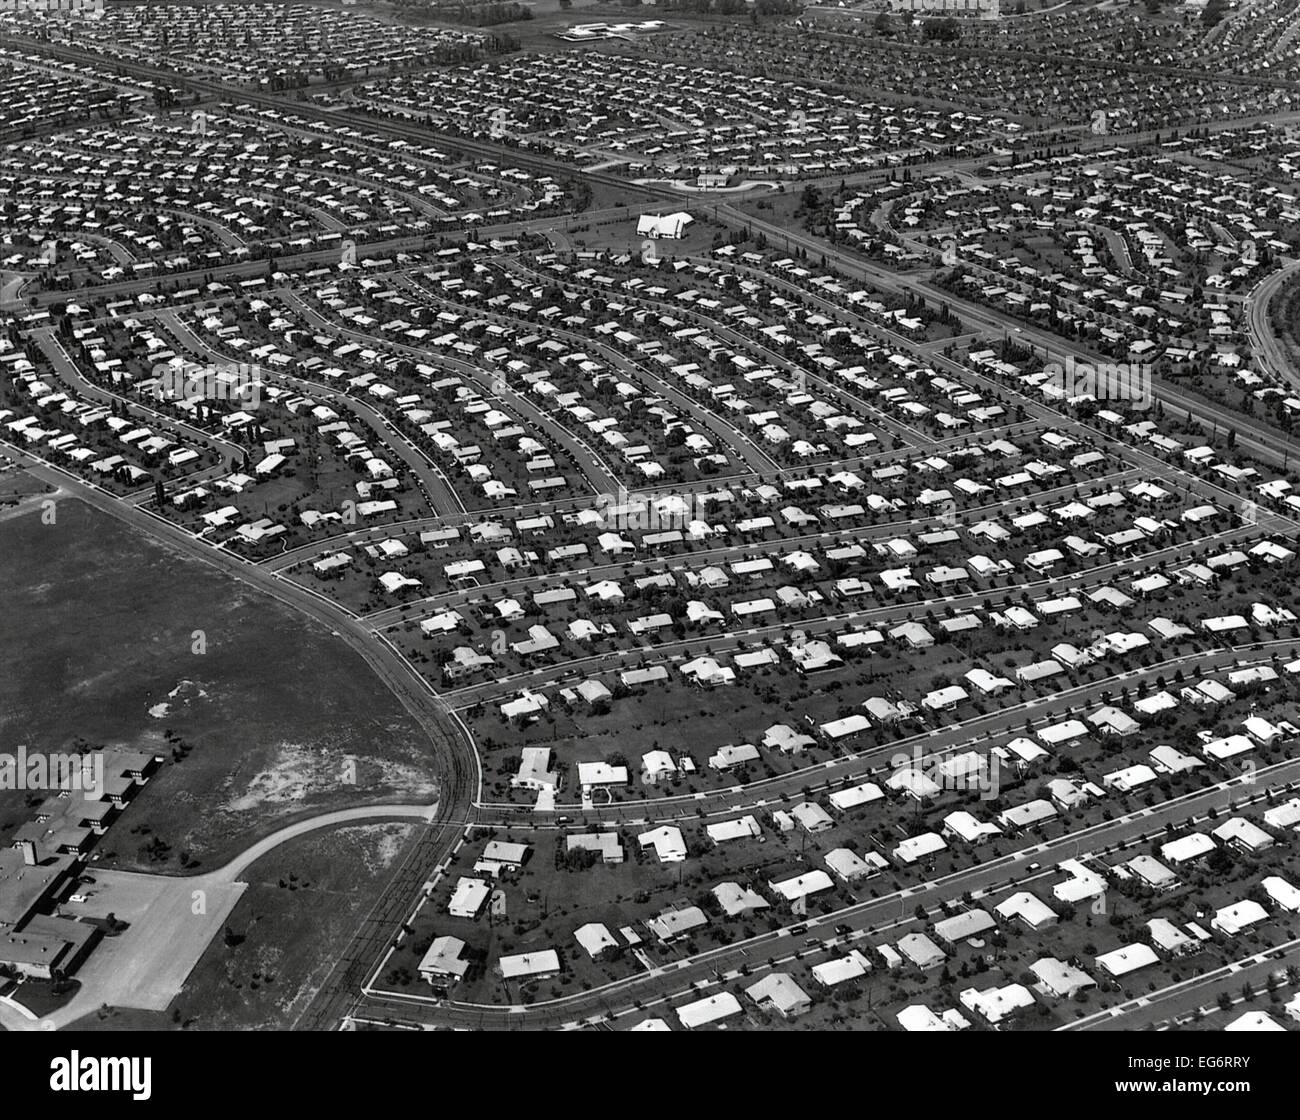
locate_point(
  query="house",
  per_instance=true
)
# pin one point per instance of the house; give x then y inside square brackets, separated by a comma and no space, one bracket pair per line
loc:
[996,1004]
[855,796]
[605,844]
[1152,872]
[786,739]
[1167,760]
[601,774]
[468,897]
[525,707]
[595,938]
[1066,794]
[1255,1021]
[672,924]
[707,671]
[988,683]
[1025,750]
[1130,778]
[1239,833]
[1128,959]
[1062,733]
[943,699]
[778,992]
[921,951]
[1169,939]
[499,856]
[1081,885]
[657,765]
[667,841]
[1027,815]
[650,674]
[965,826]
[1110,720]
[1186,849]
[840,970]
[737,901]
[593,692]
[1261,730]
[800,887]
[712,1009]
[919,847]
[1028,909]
[1284,816]
[883,711]
[912,634]
[742,828]
[725,758]
[964,926]
[1060,979]
[444,961]
[845,728]
[537,965]
[918,1017]
[812,817]
[1232,920]
[1284,896]
[914,783]
[849,867]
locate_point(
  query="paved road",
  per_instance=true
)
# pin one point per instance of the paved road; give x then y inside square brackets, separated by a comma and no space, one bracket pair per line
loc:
[1265,346]
[860,764]
[415,691]
[864,616]
[453,759]
[1177,1001]
[437,490]
[228,454]
[153,958]
[1261,440]
[597,473]
[751,347]
[554,506]
[718,554]
[751,456]
[866,919]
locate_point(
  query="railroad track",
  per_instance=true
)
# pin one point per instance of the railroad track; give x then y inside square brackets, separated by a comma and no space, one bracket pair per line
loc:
[343,987]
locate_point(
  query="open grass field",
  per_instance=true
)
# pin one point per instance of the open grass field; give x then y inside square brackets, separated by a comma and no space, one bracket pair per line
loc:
[18,484]
[273,720]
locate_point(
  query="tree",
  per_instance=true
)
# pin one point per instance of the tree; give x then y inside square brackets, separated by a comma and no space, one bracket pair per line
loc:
[941,30]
